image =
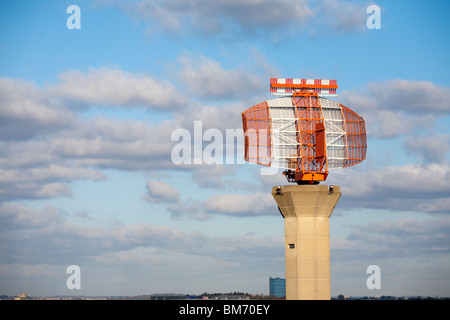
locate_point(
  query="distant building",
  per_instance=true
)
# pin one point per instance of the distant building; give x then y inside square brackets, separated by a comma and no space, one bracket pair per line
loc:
[277,287]
[22,296]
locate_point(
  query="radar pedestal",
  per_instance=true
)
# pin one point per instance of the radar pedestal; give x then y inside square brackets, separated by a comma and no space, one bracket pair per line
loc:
[306,210]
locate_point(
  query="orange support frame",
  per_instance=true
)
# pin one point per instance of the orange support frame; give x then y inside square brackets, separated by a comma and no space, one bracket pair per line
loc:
[311,154]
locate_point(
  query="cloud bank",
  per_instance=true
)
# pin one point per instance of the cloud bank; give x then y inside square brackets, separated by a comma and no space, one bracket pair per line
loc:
[47,144]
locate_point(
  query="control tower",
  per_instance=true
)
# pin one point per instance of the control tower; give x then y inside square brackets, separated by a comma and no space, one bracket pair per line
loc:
[305,134]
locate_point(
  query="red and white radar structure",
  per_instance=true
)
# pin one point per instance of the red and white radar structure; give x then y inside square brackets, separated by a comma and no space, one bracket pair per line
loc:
[302,132]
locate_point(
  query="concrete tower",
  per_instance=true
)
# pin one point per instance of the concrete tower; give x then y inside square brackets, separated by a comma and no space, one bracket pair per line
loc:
[306,210]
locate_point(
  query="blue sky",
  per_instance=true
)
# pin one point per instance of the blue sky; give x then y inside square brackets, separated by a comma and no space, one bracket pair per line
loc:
[86,118]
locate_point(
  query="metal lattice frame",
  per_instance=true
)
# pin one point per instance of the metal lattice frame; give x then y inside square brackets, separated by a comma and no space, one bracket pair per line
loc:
[309,115]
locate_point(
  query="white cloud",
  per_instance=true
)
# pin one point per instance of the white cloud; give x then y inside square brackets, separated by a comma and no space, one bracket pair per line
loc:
[26,112]
[42,181]
[44,168]
[32,238]
[14,216]
[203,177]
[398,106]
[402,248]
[432,148]
[233,205]
[411,187]
[411,96]
[113,143]
[160,191]
[106,153]
[113,86]
[241,205]
[397,238]
[337,16]
[208,78]
[247,17]
[212,17]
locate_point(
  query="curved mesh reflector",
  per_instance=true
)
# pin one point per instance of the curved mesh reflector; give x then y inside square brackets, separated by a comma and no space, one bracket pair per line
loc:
[256,123]
[283,133]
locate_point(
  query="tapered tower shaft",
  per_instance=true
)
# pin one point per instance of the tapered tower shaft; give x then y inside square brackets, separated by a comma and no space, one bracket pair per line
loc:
[306,210]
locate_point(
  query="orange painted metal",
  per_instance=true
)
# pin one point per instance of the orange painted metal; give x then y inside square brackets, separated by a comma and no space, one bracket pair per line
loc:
[320,142]
[309,115]
[356,139]
[256,124]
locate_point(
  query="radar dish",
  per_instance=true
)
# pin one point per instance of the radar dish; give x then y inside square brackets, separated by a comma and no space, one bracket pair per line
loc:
[302,132]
